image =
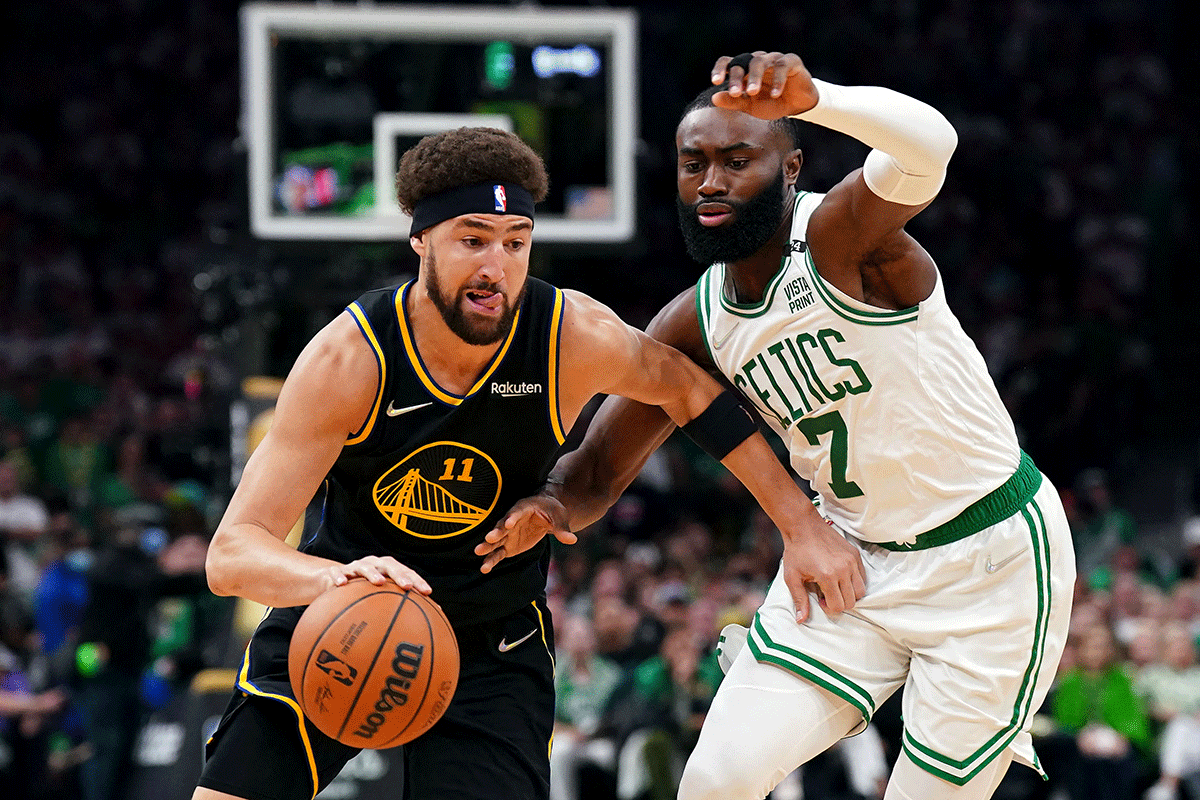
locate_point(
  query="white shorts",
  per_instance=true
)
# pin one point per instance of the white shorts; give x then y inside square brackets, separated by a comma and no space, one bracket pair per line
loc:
[973,630]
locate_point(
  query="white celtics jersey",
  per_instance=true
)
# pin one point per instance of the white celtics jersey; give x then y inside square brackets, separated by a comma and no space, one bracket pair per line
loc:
[890,415]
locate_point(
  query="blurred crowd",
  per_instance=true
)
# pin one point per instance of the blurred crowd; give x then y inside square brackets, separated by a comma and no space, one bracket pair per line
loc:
[114,137]
[1060,234]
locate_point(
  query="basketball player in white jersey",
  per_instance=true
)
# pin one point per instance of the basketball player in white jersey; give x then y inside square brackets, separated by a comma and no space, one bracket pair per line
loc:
[832,322]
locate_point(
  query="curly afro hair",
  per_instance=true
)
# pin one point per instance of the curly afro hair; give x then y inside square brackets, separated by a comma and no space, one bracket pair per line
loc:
[466,156]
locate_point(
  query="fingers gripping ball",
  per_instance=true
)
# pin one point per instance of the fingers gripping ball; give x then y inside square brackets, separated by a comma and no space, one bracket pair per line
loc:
[373,666]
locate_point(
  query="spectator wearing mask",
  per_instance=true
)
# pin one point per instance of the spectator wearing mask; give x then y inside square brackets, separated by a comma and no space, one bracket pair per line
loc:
[61,594]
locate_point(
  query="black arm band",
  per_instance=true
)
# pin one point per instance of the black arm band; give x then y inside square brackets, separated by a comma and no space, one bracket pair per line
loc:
[722,426]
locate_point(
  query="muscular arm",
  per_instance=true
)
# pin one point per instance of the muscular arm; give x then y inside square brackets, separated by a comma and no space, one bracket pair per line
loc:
[603,355]
[325,399]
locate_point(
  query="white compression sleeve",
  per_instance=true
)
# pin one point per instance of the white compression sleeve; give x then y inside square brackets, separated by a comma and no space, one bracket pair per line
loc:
[912,141]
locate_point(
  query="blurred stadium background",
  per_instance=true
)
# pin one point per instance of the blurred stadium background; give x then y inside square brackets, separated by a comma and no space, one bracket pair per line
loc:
[189,191]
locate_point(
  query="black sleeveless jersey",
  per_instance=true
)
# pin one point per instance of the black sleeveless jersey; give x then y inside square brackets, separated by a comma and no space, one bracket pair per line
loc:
[431,472]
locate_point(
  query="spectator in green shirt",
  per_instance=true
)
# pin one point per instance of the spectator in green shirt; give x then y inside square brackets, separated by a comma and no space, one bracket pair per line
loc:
[1095,702]
[584,683]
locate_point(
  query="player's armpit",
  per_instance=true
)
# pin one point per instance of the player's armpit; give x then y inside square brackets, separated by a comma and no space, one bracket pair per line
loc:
[858,243]
[600,354]
[624,432]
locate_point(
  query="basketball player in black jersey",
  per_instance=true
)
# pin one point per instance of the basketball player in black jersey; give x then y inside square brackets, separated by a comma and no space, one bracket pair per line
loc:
[427,410]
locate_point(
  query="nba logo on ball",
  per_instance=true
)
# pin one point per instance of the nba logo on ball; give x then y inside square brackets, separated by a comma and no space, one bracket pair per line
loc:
[501,200]
[335,668]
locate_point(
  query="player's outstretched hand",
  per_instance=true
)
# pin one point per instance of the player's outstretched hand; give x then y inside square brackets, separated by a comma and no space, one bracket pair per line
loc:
[770,86]
[522,527]
[817,558]
[378,570]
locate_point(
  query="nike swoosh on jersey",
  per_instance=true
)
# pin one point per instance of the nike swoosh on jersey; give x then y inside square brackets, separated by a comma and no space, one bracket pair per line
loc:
[719,343]
[990,567]
[395,412]
[505,645]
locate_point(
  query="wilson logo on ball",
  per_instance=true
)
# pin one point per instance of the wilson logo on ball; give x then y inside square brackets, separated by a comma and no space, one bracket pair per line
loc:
[405,666]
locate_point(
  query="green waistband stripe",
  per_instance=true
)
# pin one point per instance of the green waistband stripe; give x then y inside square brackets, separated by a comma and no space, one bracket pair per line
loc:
[996,506]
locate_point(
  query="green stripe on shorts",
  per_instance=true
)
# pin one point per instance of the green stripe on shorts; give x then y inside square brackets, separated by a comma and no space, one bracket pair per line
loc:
[766,651]
[959,772]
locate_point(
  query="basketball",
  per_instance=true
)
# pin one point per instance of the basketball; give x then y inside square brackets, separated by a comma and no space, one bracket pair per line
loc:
[373,666]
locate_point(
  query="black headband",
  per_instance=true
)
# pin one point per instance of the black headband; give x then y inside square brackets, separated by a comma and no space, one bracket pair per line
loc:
[481,198]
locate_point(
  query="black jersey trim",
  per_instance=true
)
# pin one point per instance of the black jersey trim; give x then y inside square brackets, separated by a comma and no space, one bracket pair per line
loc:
[554,409]
[364,326]
[414,357]
[244,683]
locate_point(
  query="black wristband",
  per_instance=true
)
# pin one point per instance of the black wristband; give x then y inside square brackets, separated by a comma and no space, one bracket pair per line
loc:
[722,426]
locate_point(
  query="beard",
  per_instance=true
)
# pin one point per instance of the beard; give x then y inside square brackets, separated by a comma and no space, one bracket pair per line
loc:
[754,223]
[471,328]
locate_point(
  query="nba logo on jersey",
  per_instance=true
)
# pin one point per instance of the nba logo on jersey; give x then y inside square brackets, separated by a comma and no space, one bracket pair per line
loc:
[501,199]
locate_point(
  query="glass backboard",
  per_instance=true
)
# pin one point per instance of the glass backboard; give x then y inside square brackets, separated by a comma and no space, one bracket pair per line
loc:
[334,94]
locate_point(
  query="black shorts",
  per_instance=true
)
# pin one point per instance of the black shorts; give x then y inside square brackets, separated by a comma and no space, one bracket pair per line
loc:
[493,742]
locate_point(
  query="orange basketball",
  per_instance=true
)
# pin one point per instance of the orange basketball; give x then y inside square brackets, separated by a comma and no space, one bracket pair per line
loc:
[373,666]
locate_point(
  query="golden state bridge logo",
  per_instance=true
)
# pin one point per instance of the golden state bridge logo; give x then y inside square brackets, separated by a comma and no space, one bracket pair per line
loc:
[439,490]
